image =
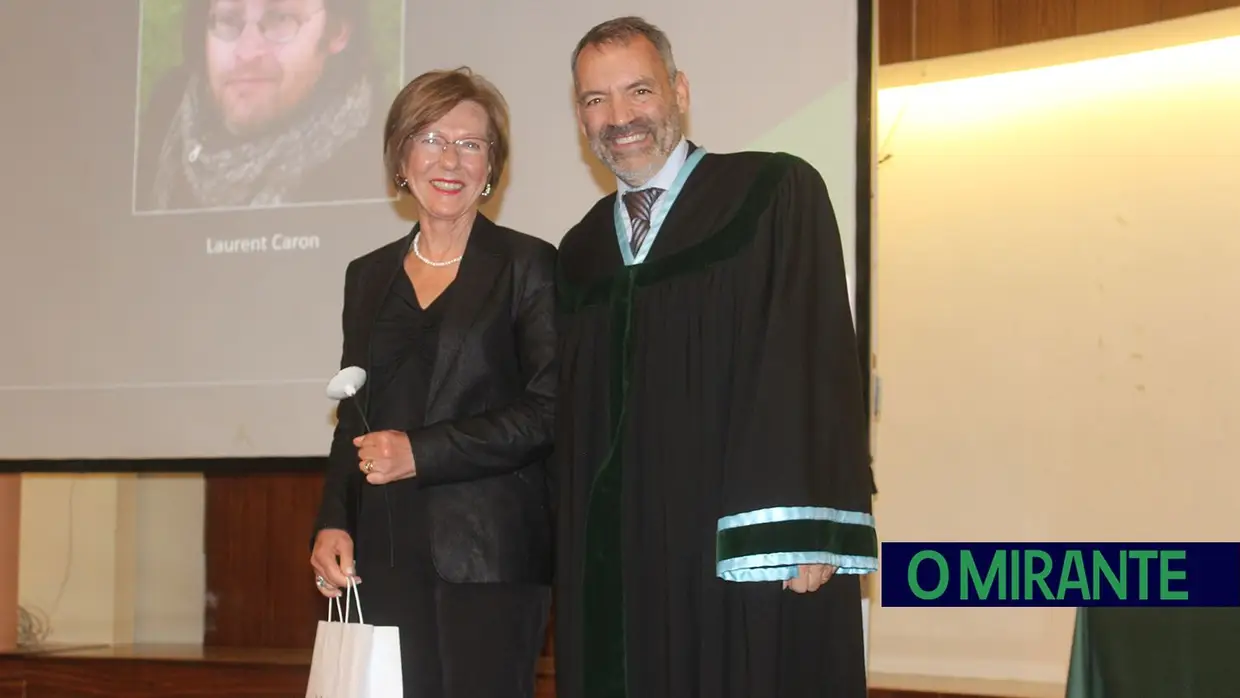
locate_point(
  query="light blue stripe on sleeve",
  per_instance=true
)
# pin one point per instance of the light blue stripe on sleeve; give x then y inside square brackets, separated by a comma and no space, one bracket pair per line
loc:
[782,566]
[779,514]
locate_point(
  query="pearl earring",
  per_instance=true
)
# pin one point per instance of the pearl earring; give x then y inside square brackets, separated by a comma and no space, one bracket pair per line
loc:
[486,191]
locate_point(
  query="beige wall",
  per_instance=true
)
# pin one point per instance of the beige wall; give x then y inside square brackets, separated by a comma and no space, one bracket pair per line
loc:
[1055,270]
[113,558]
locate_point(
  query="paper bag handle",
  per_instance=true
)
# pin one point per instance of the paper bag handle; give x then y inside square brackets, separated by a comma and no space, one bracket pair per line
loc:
[334,601]
[352,595]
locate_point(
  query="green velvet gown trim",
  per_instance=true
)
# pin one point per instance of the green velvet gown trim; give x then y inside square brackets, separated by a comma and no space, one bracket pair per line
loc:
[844,539]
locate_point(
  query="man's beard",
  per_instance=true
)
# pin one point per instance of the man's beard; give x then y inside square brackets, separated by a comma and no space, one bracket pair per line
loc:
[248,115]
[663,139]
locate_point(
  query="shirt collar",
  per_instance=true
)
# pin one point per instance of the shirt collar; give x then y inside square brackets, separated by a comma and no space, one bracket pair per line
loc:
[665,176]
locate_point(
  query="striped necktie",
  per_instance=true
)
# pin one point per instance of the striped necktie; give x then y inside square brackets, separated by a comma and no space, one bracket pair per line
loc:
[640,204]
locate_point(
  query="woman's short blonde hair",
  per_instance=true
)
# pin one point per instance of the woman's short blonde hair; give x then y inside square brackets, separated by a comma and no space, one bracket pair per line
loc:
[428,98]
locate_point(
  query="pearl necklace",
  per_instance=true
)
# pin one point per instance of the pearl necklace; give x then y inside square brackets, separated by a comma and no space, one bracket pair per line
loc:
[418,254]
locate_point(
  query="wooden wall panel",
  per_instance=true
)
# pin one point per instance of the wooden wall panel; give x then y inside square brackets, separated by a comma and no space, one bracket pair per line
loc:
[895,31]
[10,557]
[260,587]
[1104,15]
[957,26]
[921,29]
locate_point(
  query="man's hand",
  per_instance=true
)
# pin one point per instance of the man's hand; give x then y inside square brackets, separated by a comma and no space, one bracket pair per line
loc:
[810,578]
[385,456]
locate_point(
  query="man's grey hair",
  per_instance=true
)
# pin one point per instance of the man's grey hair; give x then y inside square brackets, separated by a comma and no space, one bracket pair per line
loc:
[621,30]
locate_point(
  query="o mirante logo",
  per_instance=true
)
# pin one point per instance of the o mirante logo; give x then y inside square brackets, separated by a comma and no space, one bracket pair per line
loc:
[1061,574]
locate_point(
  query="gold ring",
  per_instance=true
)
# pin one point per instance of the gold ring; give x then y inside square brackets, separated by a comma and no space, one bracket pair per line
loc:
[370,465]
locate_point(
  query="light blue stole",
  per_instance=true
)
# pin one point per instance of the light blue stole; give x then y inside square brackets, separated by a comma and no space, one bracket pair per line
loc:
[663,205]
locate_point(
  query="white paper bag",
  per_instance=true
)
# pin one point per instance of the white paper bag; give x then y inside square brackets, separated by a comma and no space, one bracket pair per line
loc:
[384,678]
[326,644]
[354,660]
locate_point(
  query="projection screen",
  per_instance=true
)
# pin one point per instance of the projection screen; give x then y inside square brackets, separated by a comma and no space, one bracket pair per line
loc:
[173,266]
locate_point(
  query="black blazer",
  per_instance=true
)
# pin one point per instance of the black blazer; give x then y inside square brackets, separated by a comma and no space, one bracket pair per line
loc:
[490,411]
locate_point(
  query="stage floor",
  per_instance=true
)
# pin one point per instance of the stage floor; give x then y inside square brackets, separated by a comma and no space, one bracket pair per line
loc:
[195,671]
[153,671]
[167,671]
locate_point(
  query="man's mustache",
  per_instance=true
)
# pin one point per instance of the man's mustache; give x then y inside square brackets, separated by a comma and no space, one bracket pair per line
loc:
[251,74]
[633,128]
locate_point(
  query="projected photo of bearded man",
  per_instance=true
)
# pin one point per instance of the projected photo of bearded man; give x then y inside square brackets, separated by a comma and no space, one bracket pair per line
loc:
[257,77]
[273,105]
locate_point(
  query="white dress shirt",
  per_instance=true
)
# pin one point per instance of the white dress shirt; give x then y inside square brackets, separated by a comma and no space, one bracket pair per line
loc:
[663,179]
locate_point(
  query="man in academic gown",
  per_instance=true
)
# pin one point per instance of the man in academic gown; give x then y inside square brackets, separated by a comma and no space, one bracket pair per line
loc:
[714,484]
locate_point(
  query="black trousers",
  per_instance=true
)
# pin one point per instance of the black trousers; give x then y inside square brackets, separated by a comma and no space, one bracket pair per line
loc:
[456,640]
[460,640]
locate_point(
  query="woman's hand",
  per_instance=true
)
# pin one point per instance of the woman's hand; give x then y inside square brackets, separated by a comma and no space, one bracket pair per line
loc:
[332,560]
[385,456]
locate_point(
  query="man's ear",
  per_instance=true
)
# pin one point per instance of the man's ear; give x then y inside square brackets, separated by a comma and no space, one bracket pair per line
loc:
[338,36]
[682,92]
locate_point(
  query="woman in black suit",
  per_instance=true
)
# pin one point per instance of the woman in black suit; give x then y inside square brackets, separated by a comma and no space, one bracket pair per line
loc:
[442,508]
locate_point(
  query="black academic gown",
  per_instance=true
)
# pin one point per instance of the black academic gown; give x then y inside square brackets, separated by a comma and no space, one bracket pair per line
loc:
[710,436]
